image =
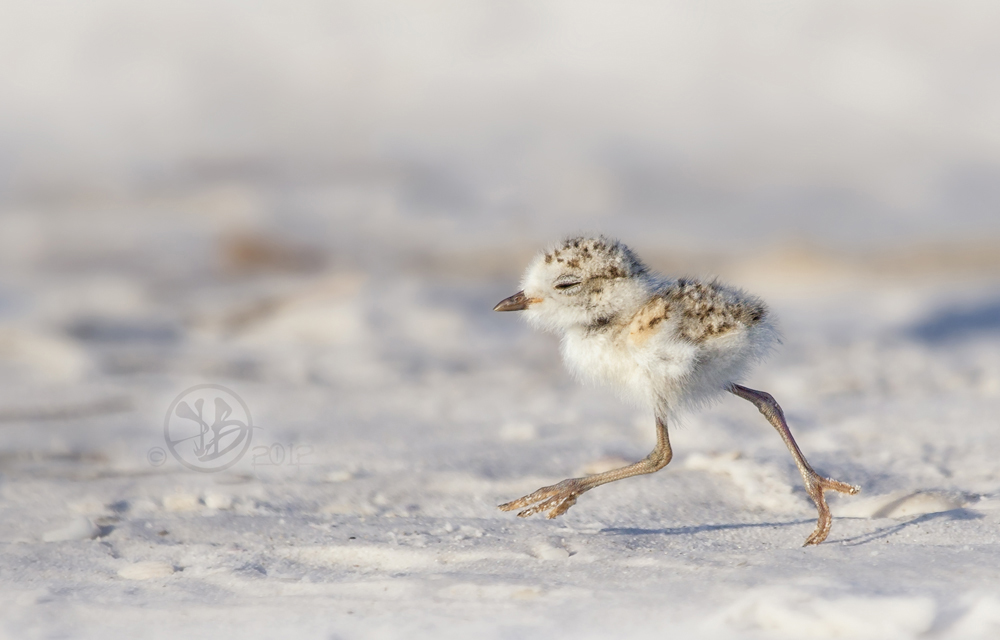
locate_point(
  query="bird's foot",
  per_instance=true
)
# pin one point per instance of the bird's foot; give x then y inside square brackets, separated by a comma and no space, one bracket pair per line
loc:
[556,499]
[815,486]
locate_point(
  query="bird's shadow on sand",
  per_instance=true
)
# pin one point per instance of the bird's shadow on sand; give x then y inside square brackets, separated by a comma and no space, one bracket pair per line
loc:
[853,541]
[701,528]
[885,532]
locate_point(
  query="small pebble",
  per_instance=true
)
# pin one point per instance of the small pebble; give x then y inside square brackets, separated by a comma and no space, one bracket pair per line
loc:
[545,551]
[218,501]
[146,570]
[181,502]
[80,528]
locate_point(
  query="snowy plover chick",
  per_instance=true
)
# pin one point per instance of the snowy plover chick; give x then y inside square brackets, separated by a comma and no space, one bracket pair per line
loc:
[667,344]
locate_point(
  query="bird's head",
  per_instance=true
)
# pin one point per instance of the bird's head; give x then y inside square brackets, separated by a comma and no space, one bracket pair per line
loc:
[587,282]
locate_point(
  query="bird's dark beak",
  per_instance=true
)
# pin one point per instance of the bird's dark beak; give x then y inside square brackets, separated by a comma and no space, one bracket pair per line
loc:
[517,302]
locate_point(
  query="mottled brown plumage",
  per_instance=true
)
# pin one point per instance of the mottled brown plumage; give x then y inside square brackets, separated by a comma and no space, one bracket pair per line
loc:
[709,309]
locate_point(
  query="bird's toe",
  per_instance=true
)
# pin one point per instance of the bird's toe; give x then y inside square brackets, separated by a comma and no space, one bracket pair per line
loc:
[556,499]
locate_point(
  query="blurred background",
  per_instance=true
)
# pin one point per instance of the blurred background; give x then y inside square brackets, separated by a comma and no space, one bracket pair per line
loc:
[335,193]
[434,127]
[316,204]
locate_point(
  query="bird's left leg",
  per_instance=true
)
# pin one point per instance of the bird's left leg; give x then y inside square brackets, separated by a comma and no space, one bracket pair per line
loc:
[558,498]
[815,483]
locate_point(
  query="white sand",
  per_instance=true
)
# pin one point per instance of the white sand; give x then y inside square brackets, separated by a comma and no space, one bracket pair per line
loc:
[422,410]
[317,207]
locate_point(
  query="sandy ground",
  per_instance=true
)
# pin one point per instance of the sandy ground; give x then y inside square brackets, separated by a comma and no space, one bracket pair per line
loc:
[316,203]
[395,410]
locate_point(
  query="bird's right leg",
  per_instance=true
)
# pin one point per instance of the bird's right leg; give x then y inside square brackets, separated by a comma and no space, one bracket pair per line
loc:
[815,483]
[558,498]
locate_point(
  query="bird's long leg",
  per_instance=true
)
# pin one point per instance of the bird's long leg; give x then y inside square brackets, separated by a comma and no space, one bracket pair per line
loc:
[558,498]
[815,483]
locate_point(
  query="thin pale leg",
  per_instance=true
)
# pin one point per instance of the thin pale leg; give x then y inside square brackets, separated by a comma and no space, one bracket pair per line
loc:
[815,483]
[558,498]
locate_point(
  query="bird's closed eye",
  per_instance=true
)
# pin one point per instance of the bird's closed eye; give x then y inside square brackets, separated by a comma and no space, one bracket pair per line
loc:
[566,285]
